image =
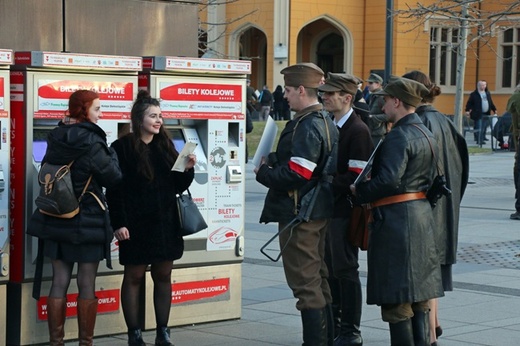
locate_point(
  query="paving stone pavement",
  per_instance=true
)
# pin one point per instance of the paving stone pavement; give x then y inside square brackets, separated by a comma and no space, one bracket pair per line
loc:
[483,309]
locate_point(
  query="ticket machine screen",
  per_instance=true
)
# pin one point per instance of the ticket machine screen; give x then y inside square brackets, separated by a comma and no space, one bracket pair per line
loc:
[39,149]
[177,139]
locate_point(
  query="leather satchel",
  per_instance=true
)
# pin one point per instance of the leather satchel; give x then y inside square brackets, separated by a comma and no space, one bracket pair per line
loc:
[358,227]
[190,219]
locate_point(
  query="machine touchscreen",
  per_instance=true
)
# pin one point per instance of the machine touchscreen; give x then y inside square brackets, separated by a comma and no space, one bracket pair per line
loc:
[39,149]
[177,139]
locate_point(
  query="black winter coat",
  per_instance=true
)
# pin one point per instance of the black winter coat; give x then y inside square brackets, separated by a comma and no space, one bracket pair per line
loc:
[474,105]
[85,143]
[303,142]
[403,264]
[147,208]
[453,161]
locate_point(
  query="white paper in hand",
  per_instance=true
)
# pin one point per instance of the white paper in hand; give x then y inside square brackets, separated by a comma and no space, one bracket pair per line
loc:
[266,142]
[182,160]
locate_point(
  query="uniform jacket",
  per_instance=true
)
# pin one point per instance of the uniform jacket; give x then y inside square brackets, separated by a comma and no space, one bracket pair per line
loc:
[85,144]
[354,148]
[474,105]
[378,120]
[453,161]
[147,208]
[296,167]
[403,264]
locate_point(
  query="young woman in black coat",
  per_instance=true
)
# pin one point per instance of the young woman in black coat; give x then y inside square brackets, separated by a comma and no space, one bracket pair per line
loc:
[143,213]
[78,139]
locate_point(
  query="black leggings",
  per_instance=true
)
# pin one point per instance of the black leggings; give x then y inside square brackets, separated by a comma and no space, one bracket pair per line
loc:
[162,292]
[62,273]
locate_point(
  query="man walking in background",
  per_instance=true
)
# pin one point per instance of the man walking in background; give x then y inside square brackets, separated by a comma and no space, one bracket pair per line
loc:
[478,107]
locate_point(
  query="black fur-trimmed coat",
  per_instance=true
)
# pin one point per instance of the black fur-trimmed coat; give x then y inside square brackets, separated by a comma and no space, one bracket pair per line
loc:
[147,208]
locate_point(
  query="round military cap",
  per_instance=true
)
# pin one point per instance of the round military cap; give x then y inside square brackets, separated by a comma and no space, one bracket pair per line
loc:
[306,74]
[407,90]
[375,78]
[340,82]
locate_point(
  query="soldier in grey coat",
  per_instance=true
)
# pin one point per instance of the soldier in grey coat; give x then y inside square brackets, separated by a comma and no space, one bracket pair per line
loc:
[403,264]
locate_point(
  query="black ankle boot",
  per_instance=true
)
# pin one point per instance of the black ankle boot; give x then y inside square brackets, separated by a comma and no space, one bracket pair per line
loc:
[135,337]
[163,337]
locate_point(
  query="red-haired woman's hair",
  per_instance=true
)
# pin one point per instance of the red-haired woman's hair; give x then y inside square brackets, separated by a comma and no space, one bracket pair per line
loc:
[79,104]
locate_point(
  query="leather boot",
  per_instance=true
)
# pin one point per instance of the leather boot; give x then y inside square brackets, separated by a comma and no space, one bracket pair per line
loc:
[351,303]
[314,323]
[135,337]
[87,311]
[56,312]
[336,317]
[401,333]
[329,316]
[421,328]
[163,337]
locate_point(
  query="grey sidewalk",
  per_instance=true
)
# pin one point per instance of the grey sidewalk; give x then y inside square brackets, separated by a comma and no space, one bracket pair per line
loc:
[484,308]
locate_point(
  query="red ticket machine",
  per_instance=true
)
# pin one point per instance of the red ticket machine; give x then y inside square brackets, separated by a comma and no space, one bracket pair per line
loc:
[203,101]
[41,83]
[6,59]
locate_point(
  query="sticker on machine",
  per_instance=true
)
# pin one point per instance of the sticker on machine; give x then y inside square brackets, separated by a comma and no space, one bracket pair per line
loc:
[223,238]
[203,291]
[108,302]
[53,97]
[201,100]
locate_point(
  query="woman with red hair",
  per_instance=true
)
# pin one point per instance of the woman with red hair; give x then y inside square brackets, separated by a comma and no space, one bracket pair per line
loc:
[80,140]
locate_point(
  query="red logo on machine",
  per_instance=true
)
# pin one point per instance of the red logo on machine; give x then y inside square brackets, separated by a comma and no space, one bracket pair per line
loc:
[108,301]
[202,92]
[116,97]
[223,235]
[197,290]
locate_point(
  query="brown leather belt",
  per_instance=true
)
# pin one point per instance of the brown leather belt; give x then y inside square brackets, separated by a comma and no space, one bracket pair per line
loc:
[411,196]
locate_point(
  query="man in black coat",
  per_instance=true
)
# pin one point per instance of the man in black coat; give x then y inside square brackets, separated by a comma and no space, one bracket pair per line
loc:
[354,149]
[480,105]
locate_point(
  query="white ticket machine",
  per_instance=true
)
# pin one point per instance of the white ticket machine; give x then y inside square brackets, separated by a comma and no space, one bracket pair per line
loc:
[41,83]
[6,59]
[203,101]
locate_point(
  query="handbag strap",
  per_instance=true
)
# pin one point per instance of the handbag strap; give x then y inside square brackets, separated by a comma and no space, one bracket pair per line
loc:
[101,204]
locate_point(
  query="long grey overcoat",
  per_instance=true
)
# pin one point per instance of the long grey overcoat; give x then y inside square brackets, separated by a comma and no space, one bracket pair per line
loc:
[403,264]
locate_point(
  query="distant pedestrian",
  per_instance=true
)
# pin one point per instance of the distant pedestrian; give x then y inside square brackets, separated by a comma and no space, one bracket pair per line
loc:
[377,120]
[479,107]
[278,108]
[266,102]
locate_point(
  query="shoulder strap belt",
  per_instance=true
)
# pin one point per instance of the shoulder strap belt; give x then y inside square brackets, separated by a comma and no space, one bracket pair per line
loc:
[411,196]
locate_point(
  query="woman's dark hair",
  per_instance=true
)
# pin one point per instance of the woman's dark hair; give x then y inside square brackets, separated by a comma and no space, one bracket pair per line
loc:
[79,103]
[433,89]
[164,143]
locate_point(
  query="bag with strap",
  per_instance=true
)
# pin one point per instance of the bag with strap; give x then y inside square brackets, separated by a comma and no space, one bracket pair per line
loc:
[57,197]
[190,219]
[358,230]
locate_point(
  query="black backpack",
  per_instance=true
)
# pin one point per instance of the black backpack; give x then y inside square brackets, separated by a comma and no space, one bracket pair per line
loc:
[57,197]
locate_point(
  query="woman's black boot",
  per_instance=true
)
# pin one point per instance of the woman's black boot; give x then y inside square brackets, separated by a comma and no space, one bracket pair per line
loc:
[135,337]
[163,337]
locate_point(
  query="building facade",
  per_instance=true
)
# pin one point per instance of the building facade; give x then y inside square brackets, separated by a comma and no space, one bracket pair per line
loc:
[349,36]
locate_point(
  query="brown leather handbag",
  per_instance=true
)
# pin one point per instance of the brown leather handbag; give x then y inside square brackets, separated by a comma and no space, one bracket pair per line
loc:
[360,217]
